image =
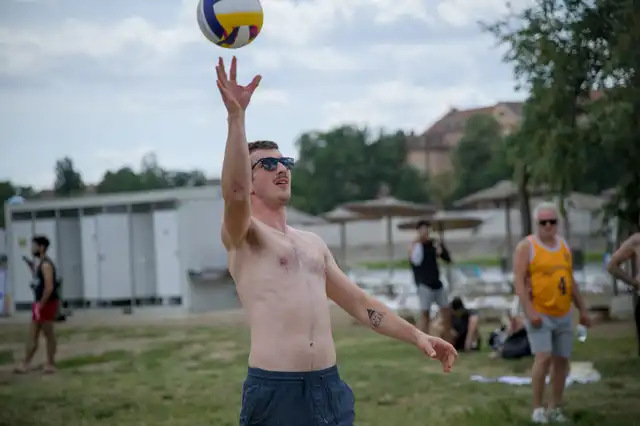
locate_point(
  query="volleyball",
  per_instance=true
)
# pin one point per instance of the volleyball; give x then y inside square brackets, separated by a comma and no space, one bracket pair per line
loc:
[230,23]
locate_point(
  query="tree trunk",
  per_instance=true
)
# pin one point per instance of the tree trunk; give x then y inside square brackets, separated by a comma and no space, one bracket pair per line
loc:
[564,212]
[523,196]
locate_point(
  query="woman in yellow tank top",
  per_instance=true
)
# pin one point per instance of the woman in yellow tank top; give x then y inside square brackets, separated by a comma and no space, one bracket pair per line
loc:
[544,283]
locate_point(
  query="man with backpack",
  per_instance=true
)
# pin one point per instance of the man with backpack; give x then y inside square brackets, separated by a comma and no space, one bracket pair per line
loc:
[45,306]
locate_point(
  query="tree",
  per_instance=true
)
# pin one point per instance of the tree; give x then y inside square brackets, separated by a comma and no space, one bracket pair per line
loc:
[8,190]
[68,180]
[441,188]
[346,164]
[179,178]
[123,180]
[563,51]
[152,175]
[480,156]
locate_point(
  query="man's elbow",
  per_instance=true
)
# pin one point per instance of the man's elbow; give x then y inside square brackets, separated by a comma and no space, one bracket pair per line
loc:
[234,194]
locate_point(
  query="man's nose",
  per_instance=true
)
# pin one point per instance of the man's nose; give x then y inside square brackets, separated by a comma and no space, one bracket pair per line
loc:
[281,168]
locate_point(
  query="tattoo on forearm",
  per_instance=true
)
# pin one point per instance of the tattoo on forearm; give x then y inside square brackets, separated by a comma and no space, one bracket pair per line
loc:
[375,317]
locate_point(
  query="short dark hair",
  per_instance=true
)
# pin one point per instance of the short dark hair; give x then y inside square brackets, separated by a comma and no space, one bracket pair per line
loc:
[42,241]
[457,304]
[258,145]
[423,222]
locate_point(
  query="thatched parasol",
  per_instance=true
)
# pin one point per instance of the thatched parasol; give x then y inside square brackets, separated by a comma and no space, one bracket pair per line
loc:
[342,216]
[504,192]
[296,217]
[445,221]
[389,207]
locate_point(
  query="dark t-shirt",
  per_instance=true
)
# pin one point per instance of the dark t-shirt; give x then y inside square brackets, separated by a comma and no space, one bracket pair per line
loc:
[460,320]
[428,272]
[39,284]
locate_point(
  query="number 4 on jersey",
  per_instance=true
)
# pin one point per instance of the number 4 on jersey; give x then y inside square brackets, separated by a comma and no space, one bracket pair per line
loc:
[562,286]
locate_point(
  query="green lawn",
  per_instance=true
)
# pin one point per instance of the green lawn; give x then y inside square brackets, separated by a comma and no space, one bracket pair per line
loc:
[191,376]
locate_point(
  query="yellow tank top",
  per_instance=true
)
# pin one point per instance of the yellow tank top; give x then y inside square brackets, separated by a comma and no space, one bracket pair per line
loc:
[550,272]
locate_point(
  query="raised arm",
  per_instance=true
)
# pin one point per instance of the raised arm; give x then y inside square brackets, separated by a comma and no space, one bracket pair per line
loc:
[377,316]
[236,166]
[626,252]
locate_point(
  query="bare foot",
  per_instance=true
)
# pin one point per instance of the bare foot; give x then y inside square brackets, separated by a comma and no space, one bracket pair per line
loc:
[49,369]
[21,368]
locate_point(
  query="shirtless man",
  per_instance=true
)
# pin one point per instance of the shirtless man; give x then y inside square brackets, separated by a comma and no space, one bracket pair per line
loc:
[283,277]
[629,250]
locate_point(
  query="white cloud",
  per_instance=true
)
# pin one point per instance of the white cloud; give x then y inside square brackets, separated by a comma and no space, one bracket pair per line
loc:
[265,96]
[313,77]
[30,50]
[397,104]
[461,13]
[288,23]
[314,58]
[112,159]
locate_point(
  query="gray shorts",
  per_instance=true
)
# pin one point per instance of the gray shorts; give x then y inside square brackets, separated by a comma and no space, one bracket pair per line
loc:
[554,336]
[429,296]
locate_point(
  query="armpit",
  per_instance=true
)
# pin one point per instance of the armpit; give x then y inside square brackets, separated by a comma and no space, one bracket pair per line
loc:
[252,237]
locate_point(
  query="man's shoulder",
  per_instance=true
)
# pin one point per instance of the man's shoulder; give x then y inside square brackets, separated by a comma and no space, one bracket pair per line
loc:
[308,235]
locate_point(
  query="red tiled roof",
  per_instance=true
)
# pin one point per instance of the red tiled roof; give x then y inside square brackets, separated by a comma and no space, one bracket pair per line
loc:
[455,120]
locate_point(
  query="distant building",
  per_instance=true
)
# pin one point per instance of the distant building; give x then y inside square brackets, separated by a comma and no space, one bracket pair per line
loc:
[432,151]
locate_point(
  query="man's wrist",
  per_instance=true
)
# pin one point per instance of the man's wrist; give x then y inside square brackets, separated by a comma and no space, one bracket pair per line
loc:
[416,336]
[237,116]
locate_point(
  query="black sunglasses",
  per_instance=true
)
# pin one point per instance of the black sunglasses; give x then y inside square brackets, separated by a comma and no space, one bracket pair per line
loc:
[545,222]
[271,163]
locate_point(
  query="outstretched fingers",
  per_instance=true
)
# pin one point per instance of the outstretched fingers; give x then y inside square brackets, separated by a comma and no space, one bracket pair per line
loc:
[428,349]
[224,92]
[233,72]
[251,87]
[222,73]
[448,360]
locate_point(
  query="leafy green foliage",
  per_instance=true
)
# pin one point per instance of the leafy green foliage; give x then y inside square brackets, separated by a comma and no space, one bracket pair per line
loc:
[346,164]
[480,158]
[579,62]
[68,179]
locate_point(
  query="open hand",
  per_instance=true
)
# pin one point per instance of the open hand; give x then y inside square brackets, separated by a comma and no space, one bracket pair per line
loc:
[235,97]
[437,348]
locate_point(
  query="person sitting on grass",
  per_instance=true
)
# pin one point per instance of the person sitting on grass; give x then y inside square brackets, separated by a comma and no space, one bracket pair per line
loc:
[464,321]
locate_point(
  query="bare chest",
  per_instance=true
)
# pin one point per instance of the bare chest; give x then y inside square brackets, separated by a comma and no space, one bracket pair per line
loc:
[283,263]
[294,254]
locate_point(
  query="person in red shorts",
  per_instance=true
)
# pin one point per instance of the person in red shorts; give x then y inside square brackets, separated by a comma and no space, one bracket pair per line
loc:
[44,308]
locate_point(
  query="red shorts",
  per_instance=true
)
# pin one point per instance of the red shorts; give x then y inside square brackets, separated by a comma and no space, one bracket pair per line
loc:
[47,312]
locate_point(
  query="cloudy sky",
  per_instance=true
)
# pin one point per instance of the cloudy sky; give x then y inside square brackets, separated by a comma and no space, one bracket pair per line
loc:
[106,82]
